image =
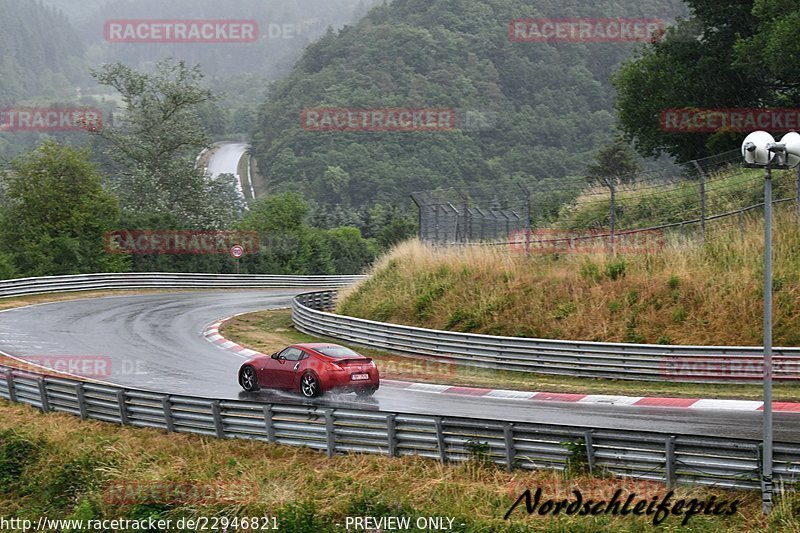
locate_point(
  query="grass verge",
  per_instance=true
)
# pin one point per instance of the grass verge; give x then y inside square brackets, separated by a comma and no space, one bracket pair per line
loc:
[58,466]
[269,331]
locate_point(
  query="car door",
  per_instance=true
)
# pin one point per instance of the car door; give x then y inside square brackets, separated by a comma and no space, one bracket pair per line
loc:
[299,366]
[286,368]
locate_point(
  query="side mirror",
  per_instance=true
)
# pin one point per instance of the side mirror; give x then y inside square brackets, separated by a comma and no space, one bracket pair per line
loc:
[274,356]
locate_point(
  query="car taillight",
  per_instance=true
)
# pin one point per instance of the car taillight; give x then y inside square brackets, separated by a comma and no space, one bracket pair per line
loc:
[334,365]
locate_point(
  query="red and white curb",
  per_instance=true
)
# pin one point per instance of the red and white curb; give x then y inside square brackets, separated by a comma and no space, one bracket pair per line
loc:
[597,399]
[212,335]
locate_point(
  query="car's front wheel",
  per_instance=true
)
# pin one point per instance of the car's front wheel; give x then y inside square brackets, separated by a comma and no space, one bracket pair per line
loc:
[309,385]
[248,379]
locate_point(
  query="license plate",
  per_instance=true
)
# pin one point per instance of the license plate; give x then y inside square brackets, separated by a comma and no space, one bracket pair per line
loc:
[359,377]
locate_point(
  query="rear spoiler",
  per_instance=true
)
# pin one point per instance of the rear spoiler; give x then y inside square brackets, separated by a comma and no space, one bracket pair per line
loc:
[362,360]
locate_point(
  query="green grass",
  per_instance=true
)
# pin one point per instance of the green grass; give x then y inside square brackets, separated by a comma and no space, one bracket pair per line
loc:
[58,466]
[643,205]
[686,293]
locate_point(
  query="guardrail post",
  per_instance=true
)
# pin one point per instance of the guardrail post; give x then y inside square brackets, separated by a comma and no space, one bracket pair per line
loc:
[123,408]
[671,476]
[330,432]
[12,392]
[391,434]
[43,396]
[590,459]
[166,405]
[269,423]
[440,439]
[79,394]
[215,412]
[508,437]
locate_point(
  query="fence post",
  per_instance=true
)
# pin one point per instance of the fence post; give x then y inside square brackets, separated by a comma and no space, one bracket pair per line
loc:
[43,396]
[391,434]
[329,432]
[436,218]
[589,450]
[218,427]
[79,394]
[670,461]
[508,437]
[440,439]
[166,405]
[123,408]
[269,423]
[702,177]
[613,212]
[12,392]
[797,192]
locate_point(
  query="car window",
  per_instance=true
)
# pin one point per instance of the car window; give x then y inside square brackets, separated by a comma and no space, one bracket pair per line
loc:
[339,352]
[292,354]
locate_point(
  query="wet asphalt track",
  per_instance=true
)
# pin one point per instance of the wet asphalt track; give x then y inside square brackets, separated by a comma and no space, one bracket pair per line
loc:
[156,342]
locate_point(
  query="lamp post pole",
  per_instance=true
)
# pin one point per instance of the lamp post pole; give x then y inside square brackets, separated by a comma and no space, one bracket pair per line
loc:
[766,474]
[760,150]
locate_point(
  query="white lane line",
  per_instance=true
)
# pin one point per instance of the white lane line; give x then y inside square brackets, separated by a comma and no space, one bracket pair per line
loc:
[609,399]
[512,394]
[428,387]
[737,405]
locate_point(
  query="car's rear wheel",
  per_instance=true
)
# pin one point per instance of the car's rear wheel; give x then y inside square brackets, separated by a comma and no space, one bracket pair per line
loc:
[309,385]
[248,379]
[366,391]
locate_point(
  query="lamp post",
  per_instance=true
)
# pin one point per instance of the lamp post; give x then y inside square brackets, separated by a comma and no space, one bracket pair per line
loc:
[759,150]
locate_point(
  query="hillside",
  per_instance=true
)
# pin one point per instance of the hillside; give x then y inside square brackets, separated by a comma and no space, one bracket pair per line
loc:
[42,55]
[285,28]
[683,294]
[544,107]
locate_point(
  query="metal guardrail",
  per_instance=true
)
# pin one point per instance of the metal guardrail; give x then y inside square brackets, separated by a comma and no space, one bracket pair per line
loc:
[718,461]
[648,362]
[160,280]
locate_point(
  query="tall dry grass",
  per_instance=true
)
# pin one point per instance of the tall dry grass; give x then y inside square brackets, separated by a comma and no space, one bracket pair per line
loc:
[686,293]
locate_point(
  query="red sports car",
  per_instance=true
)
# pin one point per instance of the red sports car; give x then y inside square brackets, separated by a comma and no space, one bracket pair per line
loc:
[312,369]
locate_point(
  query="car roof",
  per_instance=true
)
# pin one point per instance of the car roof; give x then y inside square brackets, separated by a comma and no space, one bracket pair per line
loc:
[315,345]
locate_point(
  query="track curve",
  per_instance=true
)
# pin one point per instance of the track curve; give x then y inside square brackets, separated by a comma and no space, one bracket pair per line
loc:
[156,342]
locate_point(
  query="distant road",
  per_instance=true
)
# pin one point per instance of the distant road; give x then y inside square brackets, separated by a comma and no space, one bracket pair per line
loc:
[225,160]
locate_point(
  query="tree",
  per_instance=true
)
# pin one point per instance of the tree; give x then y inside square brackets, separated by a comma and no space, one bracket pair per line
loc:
[56,214]
[772,53]
[351,252]
[286,242]
[694,66]
[617,160]
[155,146]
